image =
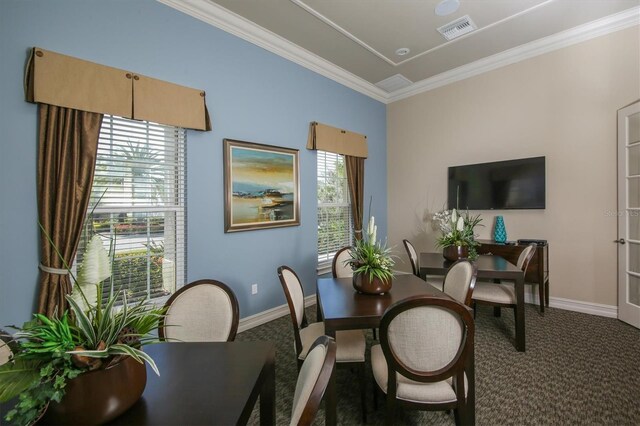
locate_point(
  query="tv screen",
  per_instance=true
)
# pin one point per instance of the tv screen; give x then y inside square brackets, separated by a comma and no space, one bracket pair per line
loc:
[513,184]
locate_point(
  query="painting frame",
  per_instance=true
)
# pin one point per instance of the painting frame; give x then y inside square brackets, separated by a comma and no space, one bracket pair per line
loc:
[251,201]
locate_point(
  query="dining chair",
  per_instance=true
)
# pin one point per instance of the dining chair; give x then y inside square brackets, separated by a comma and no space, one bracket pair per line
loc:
[420,362]
[499,294]
[312,381]
[351,343]
[460,281]
[435,280]
[202,311]
[338,268]
[6,349]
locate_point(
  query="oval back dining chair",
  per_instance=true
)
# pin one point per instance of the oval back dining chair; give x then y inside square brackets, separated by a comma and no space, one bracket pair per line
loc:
[460,281]
[313,380]
[338,267]
[434,280]
[502,295]
[6,349]
[202,311]
[421,360]
[351,343]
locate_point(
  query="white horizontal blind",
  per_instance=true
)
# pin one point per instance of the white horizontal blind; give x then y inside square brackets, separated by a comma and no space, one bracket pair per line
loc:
[138,203]
[334,209]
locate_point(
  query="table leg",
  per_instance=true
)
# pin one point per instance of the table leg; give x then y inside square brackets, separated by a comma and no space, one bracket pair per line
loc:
[520,329]
[268,393]
[330,398]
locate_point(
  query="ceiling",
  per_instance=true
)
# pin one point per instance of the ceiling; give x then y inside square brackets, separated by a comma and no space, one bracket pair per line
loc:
[362,36]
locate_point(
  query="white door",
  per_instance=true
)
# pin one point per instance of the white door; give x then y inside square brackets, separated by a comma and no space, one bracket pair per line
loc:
[629,214]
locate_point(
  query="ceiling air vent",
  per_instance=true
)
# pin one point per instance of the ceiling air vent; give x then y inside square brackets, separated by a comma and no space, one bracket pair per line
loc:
[393,83]
[457,28]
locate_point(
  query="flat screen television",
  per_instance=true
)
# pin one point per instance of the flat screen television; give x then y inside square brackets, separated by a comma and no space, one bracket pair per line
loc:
[501,185]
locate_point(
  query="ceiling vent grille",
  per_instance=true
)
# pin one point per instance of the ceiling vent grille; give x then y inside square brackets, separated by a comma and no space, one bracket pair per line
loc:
[457,28]
[393,83]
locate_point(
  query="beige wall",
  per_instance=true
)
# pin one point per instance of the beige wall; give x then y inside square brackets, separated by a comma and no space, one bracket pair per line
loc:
[561,105]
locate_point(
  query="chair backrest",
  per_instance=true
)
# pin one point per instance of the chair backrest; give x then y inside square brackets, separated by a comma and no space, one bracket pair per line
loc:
[460,281]
[313,380]
[295,299]
[526,256]
[426,339]
[6,351]
[338,268]
[413,257]
[202,311]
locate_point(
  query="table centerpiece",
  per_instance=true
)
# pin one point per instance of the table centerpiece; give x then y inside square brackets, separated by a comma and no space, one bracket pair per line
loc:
[458,234]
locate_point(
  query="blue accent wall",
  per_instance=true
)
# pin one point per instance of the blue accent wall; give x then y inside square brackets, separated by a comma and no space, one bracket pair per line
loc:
[252,95]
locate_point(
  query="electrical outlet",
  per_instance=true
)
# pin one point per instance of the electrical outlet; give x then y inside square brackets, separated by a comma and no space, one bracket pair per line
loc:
[254,288]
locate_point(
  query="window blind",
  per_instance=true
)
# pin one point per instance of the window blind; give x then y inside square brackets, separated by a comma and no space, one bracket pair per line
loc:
[334,211]
[137,206]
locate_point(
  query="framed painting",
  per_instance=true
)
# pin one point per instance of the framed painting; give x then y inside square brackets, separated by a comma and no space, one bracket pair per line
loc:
[261,186]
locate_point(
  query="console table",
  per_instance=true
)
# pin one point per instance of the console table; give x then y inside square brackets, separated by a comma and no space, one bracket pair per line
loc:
[538,271]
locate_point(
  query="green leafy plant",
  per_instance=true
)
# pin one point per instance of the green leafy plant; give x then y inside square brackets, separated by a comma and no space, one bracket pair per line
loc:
[371,257]
[457,230]
[92,334]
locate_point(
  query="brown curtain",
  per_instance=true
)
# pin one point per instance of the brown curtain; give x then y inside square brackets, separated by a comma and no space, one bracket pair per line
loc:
[67,147]
[355,180]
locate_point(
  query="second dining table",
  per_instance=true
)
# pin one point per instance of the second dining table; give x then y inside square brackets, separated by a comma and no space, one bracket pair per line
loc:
[342,308]
[489,267]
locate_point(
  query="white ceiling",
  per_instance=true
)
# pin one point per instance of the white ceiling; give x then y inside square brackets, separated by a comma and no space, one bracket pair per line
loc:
[357,39]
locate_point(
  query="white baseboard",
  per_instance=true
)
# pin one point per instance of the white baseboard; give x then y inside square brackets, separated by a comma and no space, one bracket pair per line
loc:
[609,311]
[270,314]
[530,296]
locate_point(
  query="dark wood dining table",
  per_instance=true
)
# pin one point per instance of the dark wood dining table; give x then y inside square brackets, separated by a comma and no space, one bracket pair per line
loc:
[342,308]
[206,384]
[489,267]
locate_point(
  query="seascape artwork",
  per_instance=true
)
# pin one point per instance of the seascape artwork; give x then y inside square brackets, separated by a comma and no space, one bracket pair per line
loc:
[261,186]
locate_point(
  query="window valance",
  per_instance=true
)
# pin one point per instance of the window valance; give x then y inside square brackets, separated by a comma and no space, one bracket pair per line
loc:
[332,139]
[56,79]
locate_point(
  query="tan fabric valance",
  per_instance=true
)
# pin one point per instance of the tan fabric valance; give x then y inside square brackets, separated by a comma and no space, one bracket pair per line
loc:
[332,139]
[56,79]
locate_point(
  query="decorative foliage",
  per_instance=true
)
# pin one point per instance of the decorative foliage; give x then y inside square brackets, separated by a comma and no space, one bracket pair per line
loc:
[457,230]
[92,334]
[370,256]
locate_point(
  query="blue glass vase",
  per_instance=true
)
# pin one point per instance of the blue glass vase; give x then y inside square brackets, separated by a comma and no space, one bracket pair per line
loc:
[500,232]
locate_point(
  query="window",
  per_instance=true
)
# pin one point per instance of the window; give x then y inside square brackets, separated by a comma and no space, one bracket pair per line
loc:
[334,209]
[138,204]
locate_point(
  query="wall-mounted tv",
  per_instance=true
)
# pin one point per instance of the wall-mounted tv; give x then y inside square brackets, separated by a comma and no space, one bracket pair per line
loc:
[513,184]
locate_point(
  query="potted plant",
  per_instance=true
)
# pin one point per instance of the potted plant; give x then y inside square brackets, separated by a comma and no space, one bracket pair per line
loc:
[458,237]
[86,365]
[371,262]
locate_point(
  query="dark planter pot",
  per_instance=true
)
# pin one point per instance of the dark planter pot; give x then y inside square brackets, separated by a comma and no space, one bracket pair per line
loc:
[363,284]
[99,396]
[454,253]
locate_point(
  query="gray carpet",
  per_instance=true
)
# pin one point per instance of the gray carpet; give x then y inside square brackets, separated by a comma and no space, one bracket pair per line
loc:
[578,369]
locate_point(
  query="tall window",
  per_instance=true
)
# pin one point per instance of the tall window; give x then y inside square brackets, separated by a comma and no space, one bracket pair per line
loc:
[334,210]
[138,205]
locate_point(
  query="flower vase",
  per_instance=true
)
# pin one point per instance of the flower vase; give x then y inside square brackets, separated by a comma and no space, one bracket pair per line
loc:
[454,253]
[500,232]
[99,396]
[363,283]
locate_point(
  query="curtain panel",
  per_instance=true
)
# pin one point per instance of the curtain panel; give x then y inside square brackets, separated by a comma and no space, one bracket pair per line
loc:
[355,181]
[61,80]
[67,149]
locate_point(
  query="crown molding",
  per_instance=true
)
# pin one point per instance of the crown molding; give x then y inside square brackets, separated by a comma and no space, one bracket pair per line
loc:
[218,16]
[588,31]
[235,24]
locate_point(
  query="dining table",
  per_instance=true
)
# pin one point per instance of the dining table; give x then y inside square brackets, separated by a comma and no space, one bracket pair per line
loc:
[343,308]
[491,267]
[208,383]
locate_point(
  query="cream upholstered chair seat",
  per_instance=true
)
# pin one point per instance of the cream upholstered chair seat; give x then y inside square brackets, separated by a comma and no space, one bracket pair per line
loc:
[5,350]
[504,293]
[409,390]
[338,267]
[351,343]
[203,311]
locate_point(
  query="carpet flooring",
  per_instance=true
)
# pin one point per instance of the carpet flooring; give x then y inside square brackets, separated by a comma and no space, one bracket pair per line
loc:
[578,369]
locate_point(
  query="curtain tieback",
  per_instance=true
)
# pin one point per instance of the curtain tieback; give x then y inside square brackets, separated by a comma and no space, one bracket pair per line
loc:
[358,231]
[55,271]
